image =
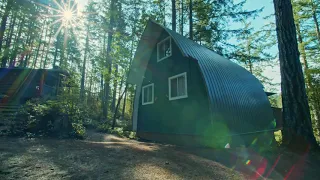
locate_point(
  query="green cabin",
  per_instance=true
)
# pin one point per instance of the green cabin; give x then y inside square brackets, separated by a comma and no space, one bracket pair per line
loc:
[188,94]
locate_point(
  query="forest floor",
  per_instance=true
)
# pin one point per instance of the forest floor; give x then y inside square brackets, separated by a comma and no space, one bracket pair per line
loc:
[105,156]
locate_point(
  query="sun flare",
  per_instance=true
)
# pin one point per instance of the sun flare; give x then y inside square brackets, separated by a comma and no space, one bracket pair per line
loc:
[65,15]
[68,15]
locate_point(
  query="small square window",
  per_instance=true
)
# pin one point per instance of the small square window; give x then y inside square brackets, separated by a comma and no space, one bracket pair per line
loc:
[164,49]
[148,94]
[178,87]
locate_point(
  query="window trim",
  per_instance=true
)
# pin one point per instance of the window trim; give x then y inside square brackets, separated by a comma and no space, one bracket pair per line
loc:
[185,84]
[151,102]
[158,45]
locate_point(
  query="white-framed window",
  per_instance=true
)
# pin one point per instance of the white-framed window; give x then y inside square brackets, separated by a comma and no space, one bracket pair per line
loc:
[148,94]
[178,86]
[164,49]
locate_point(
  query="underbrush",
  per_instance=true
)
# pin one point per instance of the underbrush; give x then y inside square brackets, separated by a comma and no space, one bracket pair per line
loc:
[62,117]
[50,118]
[120,131]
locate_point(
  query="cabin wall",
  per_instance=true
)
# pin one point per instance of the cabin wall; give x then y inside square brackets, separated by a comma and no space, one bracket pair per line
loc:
[188,116]
[50,81]
[23,83]
[50,84]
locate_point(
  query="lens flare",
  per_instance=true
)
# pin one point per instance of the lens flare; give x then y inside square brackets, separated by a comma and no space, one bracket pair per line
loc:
[68,15]
[64,16]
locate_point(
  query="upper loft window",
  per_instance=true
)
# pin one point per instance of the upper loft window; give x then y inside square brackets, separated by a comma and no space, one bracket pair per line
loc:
[164,49]
[147,94]
[178,87]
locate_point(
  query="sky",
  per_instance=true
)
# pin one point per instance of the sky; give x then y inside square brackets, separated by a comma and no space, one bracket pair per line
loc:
[270,72]
[256,4]
[82,2]
[268,9]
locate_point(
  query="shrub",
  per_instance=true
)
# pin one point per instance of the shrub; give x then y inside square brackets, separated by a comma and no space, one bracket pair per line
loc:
[54,118]
[120,131]
[104,127]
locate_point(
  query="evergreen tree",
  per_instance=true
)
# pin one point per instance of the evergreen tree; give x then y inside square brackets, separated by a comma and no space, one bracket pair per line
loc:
[297,129]
[251,51]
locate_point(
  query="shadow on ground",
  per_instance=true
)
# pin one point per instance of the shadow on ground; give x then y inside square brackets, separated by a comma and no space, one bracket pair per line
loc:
[104,156]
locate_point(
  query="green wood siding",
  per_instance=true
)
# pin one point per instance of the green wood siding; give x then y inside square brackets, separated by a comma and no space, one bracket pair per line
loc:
[182,116]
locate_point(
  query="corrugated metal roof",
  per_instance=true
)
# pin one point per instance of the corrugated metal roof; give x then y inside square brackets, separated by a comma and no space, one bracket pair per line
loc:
[236,95]
[234,92]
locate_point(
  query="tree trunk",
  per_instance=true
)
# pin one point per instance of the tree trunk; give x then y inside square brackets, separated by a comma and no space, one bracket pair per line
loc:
[162,8]
[29,52]
[120,87]
[124,103]
[29,43]
[190,20]
[181,17]
[5,56]
[131,59]
[132,99]
[62,63]
[249,54]
[44,45]
[45,41]
[103,98]
[89,98]
[250,66]
[309,84]
[303,54]
[297,130]
[174,15]
[47,53]
[109,60]
[101,86]
[16,44]
[38,49]
[4,23]
[116,110]
[24,53]
[115,85]
[83,75]
[56,51]
[315,20]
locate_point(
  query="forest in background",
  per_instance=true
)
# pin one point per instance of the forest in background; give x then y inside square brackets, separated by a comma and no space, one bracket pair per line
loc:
[96,44]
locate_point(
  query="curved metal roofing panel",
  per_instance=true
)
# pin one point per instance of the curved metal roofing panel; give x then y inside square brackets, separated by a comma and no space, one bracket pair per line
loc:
[235,94]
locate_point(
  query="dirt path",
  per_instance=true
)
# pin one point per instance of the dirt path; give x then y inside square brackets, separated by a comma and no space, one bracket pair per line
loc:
[105,156]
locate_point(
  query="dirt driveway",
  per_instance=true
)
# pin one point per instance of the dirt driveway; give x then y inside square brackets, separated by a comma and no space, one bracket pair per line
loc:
[104,156]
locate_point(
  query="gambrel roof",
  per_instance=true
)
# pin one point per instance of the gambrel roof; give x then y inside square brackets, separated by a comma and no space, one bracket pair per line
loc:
[235,94]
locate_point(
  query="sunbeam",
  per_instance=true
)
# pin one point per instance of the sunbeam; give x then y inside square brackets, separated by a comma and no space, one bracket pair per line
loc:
[56,15]
[58,31]
[58,4]
[73,6]
[65,13]
[55,22]
[48,7]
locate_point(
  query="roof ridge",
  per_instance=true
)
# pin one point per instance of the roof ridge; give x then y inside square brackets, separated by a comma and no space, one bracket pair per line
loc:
[190,40]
